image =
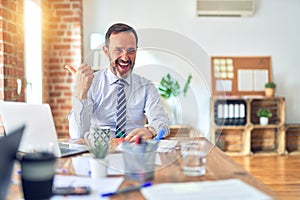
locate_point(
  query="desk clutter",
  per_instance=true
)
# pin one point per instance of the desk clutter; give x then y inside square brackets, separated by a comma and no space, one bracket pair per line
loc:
[108,186]
[73,177]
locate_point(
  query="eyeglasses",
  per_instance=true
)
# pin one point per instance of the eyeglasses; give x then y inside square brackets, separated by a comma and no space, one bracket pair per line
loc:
[130,51]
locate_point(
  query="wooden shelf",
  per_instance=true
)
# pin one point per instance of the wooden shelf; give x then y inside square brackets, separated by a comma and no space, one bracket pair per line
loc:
[293,139]
[266,126]
[250,138]
[229,127]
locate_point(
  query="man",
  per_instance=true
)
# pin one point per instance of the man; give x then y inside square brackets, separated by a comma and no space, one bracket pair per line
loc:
[97,95]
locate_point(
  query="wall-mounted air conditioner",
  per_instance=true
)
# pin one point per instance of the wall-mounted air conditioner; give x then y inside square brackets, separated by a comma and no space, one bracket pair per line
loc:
[238,8]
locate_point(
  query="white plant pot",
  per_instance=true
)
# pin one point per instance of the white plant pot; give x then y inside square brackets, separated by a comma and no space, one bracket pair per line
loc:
[98,167]
[263,120]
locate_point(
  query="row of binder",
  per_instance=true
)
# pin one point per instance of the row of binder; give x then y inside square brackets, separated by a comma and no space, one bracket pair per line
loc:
[230,112]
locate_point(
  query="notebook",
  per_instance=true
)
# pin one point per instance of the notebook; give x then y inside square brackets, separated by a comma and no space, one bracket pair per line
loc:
[8,149]
[40,133]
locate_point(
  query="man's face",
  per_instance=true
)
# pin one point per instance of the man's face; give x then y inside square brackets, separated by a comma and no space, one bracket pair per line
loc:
[121,53]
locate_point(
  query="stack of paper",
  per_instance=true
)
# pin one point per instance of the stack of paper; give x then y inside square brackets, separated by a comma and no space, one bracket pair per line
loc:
[213,190]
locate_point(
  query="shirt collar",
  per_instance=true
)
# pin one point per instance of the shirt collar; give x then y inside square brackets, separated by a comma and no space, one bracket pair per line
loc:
[113,78]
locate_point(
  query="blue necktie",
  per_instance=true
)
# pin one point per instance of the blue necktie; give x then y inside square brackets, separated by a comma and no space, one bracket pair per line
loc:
[121,110]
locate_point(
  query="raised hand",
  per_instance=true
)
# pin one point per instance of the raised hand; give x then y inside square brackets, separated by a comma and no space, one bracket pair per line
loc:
[71,69]
[84,78]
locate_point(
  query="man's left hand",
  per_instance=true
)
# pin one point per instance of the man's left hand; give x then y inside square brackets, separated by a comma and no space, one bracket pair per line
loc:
[144,133]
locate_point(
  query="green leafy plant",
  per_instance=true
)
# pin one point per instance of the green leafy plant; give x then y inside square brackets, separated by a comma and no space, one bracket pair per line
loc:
[263,112]
[99,150]
[169,87]
[270,85]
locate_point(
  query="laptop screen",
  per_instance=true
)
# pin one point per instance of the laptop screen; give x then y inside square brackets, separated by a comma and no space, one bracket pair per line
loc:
[39,134]
[8,149]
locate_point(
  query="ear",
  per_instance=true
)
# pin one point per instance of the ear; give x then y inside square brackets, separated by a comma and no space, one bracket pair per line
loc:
[105,50]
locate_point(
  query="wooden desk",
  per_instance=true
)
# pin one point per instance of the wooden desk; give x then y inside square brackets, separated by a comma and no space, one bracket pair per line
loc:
[219,166]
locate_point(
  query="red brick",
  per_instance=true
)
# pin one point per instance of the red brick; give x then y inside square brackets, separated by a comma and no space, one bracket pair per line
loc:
[64,13]
[59,87]
[61,6]
[53,26]
[68,94]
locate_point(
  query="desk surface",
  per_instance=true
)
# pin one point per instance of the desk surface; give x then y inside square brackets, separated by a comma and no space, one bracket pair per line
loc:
[219,167]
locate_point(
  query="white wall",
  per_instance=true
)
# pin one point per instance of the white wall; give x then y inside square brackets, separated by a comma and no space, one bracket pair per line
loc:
[273,31]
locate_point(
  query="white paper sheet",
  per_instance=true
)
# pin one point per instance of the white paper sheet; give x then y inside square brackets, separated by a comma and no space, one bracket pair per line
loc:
[245,80]
[260,77]
[165,146]
[223,85]
[252,80]
[230,189]
[98,186]
[81,165]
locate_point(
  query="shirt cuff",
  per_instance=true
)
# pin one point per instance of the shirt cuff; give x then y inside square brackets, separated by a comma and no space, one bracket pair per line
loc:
[152,130]
[80,105]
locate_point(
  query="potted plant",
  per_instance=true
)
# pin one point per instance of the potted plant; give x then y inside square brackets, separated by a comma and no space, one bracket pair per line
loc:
[264,115]
[99,150]
[169,90]
[98,147]
[270,89]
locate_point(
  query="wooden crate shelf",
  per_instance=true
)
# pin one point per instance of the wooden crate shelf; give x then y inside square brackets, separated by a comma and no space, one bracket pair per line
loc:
[230,140]
[263,140]
[251,137]
[293,138]
[275,105]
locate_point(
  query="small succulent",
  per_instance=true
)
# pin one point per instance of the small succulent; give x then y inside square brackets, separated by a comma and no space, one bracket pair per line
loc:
[270,85]
[262,112]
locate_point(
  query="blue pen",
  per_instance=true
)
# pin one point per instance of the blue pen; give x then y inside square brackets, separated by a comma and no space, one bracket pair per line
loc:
[128,189]
[160,134]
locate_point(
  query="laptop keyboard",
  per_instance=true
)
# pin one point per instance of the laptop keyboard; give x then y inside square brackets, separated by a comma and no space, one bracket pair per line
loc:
[66,150]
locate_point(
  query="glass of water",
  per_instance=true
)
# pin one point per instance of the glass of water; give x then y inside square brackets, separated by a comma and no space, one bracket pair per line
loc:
[193,154]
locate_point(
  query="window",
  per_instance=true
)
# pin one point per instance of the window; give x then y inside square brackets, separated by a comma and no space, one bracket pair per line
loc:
[33,56]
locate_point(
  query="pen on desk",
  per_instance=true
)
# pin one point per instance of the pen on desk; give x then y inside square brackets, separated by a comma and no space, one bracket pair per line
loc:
[160,134]
[128,189]
[62,171]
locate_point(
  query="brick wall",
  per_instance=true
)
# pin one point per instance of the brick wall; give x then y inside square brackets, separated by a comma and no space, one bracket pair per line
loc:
[61,45]
[11,51]
[1,55]
[65,41]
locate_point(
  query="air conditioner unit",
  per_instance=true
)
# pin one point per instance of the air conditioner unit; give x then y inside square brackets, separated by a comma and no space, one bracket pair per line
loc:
[237,8]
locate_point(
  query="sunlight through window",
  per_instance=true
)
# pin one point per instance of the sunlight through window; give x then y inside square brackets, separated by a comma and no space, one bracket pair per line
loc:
[33,51]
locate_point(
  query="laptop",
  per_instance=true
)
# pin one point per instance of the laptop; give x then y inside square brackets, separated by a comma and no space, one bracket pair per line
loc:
[8,149]
[40,133]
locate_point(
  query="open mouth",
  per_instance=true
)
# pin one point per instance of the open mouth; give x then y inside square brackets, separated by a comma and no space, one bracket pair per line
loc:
[123,65]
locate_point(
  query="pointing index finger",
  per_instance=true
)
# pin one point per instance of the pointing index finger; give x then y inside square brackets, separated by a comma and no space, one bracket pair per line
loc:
[71,69]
